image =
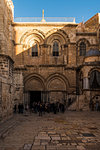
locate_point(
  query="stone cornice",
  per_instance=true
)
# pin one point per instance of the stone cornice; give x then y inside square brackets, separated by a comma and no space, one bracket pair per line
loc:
[60,65]
[66,24]
[70,68]
[86,34]
[88,64]
[46,65]
[97,63]
[19,68]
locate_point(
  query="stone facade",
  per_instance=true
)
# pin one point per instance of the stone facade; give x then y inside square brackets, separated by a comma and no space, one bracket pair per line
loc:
[6,86]
[38,70]
[6,59]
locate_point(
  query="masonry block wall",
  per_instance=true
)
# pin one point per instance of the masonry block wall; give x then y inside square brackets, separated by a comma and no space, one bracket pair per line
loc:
[6,59]
[21,72]
[18,87]
[6,87]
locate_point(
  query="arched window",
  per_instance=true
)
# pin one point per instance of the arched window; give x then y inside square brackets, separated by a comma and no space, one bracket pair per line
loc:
[55,49]
[95,80]
[82,49]
[35,50]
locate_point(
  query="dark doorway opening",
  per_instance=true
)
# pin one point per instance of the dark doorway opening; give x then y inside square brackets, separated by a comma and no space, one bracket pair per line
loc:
[35,96]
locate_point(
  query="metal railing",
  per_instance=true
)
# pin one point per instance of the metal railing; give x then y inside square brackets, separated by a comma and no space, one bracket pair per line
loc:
[45,19]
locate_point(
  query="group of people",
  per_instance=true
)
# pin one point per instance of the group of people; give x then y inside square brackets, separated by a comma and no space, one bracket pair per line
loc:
[94,105]
[40,108]
[19,108]
[47,107]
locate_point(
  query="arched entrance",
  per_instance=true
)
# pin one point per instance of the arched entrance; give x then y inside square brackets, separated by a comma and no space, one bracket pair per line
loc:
[56,88]
[33,89]
[94,84]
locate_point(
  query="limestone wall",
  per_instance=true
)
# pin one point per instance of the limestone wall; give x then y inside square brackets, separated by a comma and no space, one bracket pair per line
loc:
[53,75]
[45,64]
[44,34]
[6,29]
[6,87]
[18,87]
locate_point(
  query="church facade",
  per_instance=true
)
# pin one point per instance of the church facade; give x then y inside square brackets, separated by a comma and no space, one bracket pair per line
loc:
[48,62]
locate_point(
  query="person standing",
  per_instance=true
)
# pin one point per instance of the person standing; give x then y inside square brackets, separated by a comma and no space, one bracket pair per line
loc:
[40,109]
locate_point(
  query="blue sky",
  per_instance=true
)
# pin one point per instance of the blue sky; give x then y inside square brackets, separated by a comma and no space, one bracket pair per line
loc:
[57,8]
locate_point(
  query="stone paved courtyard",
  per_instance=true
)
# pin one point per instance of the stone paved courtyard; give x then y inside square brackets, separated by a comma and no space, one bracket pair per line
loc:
[68,131]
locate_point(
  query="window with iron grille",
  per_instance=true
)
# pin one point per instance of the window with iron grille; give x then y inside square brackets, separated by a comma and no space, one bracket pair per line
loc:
[82,49]
[35,51]
[55,49]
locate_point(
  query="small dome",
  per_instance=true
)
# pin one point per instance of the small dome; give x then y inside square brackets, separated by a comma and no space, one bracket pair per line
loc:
[93,52]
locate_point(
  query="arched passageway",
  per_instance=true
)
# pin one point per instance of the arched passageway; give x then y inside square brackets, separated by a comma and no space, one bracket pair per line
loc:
[57,86]
[33,89]
[56,89]
[52,89]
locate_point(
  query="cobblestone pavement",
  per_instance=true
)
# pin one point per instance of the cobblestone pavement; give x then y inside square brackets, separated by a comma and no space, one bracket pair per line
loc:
[68,131]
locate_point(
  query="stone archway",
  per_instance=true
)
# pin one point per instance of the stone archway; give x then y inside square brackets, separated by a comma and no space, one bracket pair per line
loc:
[33,85]
[57,88]
[94,84]
[34,88]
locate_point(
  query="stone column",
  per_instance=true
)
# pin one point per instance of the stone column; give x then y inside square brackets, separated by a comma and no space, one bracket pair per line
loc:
[42,53]
[77,102]
[85,83]
[43,96]
[26,98]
